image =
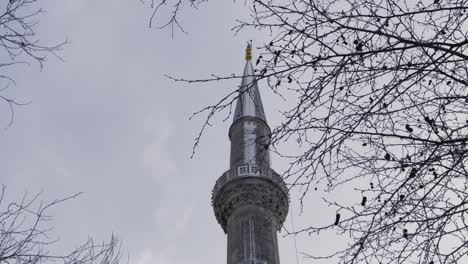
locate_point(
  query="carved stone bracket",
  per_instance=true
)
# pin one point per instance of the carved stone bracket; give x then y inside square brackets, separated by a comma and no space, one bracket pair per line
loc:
[247,190]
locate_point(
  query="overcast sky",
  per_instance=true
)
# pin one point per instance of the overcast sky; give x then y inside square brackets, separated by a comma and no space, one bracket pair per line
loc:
[106,122]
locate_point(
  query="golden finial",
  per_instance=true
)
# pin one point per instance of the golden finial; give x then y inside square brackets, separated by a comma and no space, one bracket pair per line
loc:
[248,52]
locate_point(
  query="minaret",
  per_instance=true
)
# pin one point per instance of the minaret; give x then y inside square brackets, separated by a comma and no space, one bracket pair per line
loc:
[250,200]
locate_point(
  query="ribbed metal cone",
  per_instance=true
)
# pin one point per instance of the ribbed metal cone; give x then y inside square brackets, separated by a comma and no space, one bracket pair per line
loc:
[249,102]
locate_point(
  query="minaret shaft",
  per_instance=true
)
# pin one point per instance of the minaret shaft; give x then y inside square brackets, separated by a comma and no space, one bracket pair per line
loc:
[250,200]
[250,138]
[251,237]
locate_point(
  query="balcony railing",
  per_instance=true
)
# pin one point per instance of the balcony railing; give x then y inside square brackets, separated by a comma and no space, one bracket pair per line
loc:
[249,170]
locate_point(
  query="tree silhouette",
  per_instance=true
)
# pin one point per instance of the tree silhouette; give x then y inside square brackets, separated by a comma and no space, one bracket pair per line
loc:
[25,235]
[380,95]
[19,44]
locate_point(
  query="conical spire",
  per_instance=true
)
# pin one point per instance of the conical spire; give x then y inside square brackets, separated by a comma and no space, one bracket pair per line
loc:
[249,102]
[249,132]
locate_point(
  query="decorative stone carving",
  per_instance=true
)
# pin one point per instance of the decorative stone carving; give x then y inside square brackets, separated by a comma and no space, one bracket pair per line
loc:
[239,191]
[249,170]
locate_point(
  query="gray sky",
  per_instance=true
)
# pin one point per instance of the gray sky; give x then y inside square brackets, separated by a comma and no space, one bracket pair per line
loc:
[106,122]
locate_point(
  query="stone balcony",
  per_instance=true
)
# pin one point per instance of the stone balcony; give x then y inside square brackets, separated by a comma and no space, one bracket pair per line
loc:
[248,170]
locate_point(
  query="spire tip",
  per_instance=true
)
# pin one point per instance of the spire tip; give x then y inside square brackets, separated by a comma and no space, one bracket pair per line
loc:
[248,51]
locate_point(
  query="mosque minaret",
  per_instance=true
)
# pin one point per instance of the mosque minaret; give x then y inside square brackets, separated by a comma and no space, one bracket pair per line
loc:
[250,200]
